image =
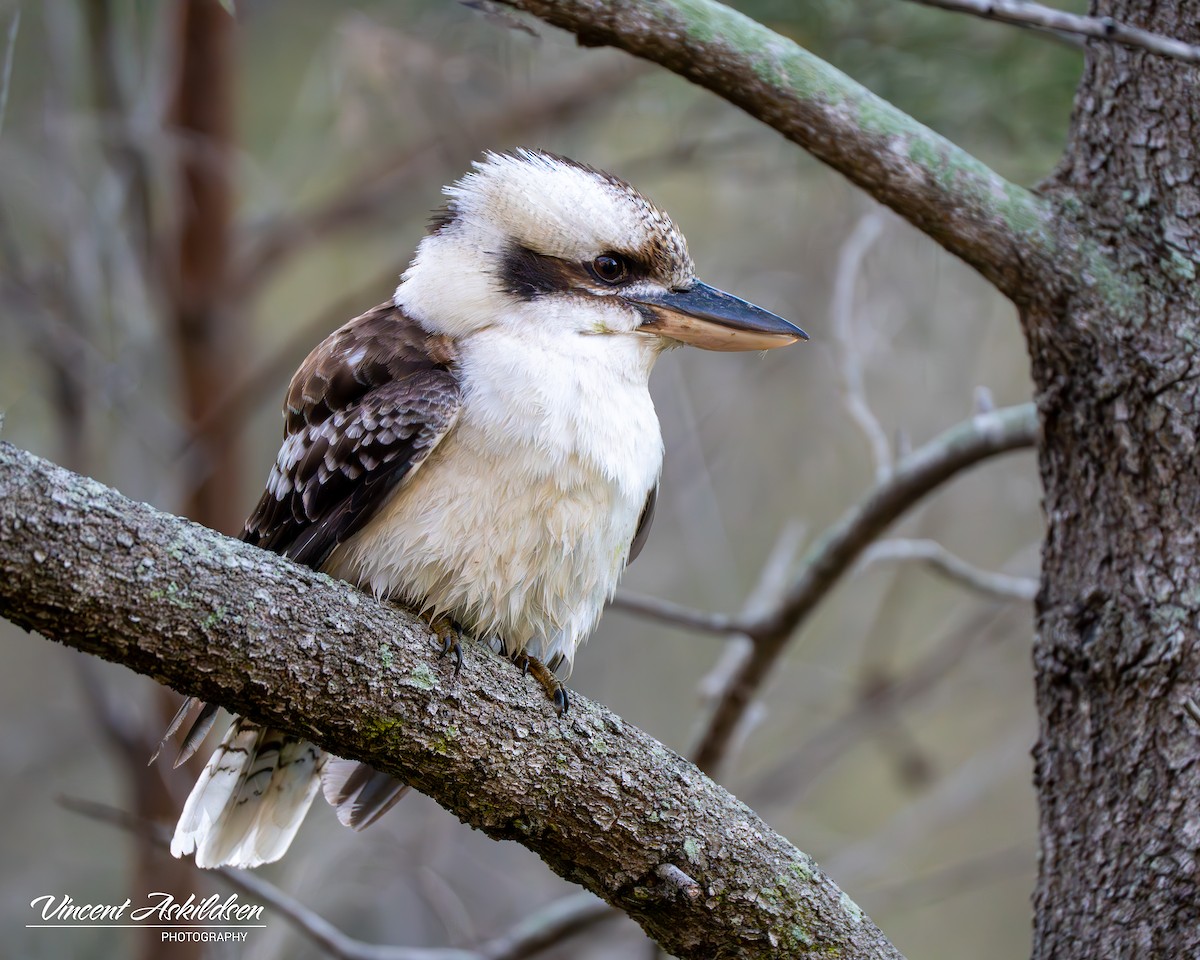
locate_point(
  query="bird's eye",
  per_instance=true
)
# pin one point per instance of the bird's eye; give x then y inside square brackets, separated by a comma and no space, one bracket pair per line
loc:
[610,268]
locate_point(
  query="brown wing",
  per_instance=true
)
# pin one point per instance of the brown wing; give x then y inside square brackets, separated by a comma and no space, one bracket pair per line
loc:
[363,412]
[643,528]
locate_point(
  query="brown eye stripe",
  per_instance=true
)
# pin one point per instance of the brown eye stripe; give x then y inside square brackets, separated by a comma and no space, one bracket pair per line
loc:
[528,274]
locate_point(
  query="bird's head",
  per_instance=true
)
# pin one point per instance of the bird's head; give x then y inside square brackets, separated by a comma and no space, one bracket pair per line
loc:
[544,245]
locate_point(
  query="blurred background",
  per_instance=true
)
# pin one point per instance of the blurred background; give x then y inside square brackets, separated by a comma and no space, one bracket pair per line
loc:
[190,201]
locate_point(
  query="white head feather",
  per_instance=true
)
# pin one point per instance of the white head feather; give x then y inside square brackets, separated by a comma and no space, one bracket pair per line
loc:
[552,207]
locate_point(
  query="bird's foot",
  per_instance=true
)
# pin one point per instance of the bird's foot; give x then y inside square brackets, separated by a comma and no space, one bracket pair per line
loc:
[554,687]
[450,632]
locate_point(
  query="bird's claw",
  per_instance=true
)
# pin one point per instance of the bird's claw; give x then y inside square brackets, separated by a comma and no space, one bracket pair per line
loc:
[555,690]
[451,634]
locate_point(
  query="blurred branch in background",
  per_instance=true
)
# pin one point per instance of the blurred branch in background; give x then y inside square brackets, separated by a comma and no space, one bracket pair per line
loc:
[208,335]
[10,46]
[1024,13]
[542,928]
[954,796]
[118,139]
[841,311]
[372,190]
[880,699]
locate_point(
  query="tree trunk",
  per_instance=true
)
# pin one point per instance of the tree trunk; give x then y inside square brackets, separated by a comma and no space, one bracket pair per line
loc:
[1117,655]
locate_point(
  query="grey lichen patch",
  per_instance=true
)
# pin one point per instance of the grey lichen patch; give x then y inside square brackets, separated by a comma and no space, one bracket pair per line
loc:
[423,677]
[800,937]
[1120,291]
[172,594]
[850,908]
[1179,266]
[803,871]
[691,850]
[385,656]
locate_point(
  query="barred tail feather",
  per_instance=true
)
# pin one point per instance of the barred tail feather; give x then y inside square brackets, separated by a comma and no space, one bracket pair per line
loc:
[250,799]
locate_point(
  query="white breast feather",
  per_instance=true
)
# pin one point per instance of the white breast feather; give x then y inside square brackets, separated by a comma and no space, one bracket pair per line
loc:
[519,524]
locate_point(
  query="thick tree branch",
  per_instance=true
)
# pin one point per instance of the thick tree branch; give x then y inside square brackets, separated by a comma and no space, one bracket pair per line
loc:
[604,805]
[1005,232]
[1023,13]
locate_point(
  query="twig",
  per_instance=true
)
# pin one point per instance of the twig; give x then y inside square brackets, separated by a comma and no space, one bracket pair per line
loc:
[854,393]
[1027,14]
[679,880]
[982,436]
[563,918]
[931,553]
[675,614]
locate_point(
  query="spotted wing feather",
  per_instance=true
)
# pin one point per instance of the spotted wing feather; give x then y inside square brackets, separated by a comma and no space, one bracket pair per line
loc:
[363,412]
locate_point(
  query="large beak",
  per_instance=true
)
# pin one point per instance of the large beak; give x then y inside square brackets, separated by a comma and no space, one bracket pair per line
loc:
[707,317]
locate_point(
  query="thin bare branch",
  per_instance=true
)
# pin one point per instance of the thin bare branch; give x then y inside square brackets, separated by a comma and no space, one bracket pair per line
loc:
[1002,586]
[772,584]
[1027,14]
[250,630]
[979,438]
[675,614]
[854,392]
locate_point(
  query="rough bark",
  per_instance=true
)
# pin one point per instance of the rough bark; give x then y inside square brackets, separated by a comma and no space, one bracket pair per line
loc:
[605,805]
[1117,651]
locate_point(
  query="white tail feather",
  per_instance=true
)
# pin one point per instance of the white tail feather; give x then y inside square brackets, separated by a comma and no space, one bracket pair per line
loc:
[250,799]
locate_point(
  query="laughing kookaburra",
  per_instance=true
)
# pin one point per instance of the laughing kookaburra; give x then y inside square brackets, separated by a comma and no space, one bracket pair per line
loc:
[482,449]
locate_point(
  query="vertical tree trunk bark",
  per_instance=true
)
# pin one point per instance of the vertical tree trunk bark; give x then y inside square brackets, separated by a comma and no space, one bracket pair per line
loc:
[1118,636]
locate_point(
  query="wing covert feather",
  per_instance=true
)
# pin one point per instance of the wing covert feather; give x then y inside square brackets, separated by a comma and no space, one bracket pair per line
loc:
[363,412]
